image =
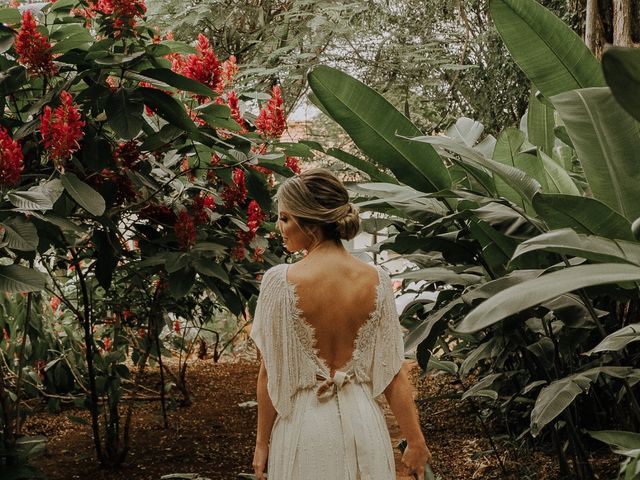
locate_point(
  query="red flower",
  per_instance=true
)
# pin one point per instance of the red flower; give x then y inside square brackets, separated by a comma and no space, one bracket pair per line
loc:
[33,48]
[236,194]
[293,163]
[127,154]
[176,326]
[255,217]
[158,214]
[185,230]
[201,203]
[61,129]
[11,159]
[232,100]
[228,70]
[271,121]
[238,252]
[55,303]
[211,173]
[202,66]
[106,341]
[124,12]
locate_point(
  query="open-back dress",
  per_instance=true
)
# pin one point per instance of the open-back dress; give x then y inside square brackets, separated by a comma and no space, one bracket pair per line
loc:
[325,431]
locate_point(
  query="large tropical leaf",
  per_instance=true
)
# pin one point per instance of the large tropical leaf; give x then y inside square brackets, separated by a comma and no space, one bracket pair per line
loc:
[546,287]
[20,234]
[618,339]
[557,396]
[540,124]
[553,57]
[622,70]
[558,180]
[617,438]
[124,111]
[607,140]
[375,174]
[568,242]
[16,278]
[524,185]
[83,194]
[583,214]
[374,125]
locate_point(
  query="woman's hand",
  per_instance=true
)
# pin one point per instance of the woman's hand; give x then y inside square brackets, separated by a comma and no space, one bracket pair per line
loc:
[260,457]
[414,458]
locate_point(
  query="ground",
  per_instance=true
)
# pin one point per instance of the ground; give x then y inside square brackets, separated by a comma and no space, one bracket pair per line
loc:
[214,436]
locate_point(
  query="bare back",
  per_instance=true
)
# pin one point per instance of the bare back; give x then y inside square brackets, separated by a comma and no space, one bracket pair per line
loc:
[336,297]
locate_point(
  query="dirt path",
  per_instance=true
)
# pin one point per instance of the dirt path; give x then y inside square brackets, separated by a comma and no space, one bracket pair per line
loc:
[214,437]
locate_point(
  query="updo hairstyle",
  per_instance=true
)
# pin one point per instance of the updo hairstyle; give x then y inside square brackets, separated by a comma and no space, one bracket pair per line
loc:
[316,197]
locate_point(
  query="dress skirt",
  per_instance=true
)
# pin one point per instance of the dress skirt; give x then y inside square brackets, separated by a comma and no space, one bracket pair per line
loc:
[343,437]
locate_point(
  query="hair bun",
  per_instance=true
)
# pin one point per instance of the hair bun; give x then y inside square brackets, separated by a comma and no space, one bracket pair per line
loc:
[349,225]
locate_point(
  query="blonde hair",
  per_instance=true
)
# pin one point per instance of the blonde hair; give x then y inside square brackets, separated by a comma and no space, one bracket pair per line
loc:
[316,197]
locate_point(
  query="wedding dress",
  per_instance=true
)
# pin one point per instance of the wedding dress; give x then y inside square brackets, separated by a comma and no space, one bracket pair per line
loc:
[326,430]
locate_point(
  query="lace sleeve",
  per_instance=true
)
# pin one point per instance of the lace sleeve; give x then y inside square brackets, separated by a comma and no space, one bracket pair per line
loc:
[273,337]
[388,354]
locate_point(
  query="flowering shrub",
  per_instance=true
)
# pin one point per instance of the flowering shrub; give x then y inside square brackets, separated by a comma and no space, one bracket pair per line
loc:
[134,178]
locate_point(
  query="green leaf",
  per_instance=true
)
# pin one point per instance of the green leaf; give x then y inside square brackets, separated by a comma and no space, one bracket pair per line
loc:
[124,112]
[81,41]
[211,269]
[179,81]
[83,194]
[540,124]
[546,49]
[618,340]
[558,180]
[10,16]
[497,248]
[622,70]
[607,141]
[20,235]
[558,395]
[168,108]
[16,278]
[524,186]
[618,438]
[374,125]
[259,190]
[582,214]
[374,173]
[567,242]
[181,281]
[546,287]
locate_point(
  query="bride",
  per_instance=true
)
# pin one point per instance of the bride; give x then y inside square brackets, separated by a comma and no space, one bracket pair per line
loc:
[331,344]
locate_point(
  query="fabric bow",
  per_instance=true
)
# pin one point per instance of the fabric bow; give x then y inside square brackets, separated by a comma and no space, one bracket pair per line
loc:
[331,385]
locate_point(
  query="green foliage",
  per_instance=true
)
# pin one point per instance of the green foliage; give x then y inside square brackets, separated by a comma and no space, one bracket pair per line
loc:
[534,263]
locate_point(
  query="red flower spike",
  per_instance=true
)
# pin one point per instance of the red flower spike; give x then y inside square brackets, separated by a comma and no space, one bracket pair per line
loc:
[202,66]
[271,122]
[228,70]
[33,48]
[11,159]
[61,129]
[201,203]
[293,163]
[237,194]
[234,105]
[176,326]
[124,12]
[185,230]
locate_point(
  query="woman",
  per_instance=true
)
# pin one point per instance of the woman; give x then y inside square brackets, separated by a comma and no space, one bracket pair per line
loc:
[331,342]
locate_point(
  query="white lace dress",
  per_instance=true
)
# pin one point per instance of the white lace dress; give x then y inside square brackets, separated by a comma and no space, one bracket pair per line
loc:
[336,433]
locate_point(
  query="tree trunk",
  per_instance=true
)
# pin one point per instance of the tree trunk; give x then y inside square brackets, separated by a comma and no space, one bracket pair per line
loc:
[593,34]
[622,23]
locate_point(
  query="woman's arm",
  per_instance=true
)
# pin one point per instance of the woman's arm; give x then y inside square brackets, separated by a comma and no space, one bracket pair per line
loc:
[266,418]
[400,399]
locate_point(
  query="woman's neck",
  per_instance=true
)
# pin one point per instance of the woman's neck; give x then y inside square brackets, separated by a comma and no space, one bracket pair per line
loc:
[326,247]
